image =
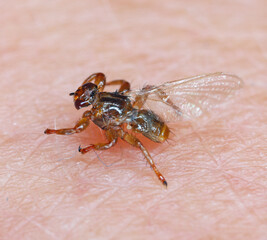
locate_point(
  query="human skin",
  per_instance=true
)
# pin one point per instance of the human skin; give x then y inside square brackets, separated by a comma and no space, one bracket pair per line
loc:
[215,165]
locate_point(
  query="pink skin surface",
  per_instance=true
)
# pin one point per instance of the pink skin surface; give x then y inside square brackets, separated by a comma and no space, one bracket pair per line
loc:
[215,166]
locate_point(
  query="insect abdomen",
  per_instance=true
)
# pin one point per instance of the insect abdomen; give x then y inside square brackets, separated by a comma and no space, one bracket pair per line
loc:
[150,125]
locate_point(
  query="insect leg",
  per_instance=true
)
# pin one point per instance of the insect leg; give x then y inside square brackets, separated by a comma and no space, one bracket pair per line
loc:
[125,86]
[81,125]
[141,99]
[99,79]
[136,143]
[112,138]
[165,98]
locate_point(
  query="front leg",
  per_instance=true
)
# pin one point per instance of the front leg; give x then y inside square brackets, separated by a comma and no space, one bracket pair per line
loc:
[124,85]
[81,125]
[98,79]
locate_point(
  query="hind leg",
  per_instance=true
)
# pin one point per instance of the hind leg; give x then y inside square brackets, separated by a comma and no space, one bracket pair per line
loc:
[136,143]
[166,99]
[140,100]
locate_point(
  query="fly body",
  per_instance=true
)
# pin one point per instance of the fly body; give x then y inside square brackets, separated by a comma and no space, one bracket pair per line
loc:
[115,112]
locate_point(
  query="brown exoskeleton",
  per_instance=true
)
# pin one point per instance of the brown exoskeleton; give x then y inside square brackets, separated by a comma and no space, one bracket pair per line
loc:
[111,111]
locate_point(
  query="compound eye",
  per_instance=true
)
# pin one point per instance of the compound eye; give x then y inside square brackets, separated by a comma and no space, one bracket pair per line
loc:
[92,94]
[89,86]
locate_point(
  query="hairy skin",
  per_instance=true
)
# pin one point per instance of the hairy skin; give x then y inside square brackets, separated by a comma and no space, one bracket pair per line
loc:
[215,166]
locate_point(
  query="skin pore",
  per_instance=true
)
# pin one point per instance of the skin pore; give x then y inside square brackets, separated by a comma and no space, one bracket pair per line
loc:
[215,166]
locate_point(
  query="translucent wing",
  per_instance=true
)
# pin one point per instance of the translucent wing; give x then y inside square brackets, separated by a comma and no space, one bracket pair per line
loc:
[191,96]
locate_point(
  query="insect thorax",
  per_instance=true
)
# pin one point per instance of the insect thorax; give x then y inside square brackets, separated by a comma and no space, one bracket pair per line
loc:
[111,109]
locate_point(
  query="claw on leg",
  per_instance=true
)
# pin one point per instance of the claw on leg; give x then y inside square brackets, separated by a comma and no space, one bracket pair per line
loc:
[66,131]
[80,126]
[136,143]
[86,149]
[112,137]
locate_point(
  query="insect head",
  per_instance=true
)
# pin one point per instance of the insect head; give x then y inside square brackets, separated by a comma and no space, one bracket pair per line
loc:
[85,95]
